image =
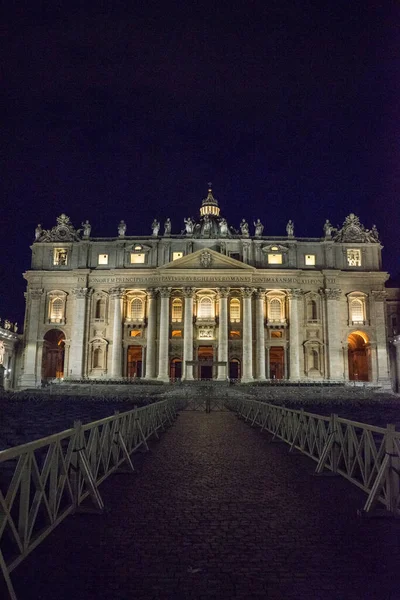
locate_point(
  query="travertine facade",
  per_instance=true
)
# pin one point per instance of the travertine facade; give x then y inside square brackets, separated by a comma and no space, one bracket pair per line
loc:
[206,301]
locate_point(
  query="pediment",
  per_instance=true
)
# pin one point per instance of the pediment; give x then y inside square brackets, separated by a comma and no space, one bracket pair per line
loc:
[207,259]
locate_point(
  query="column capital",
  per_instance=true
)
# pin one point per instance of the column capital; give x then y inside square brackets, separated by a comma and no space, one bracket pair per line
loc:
[36,294]
[151,293]
[379,295]
[80,292]
[116,293]
[165,292]
[260,294]
[188,292]
[223,292]
[247,292]
[295,294]
[332,293]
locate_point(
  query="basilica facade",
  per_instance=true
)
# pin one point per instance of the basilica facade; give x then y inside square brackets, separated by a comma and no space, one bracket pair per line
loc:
[208,301]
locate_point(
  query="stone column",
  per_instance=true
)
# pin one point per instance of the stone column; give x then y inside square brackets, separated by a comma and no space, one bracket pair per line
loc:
[163,338]
[223,294]
[333,327]
[32,376]
[116,349]
[151,331]
[78,334]
[381,342]
[247,366]
[260,335]
[396,343]
[187,370]
[295,349]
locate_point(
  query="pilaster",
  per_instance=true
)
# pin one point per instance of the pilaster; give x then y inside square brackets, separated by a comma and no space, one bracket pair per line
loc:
[117,295]
[260,335]
[223,294]
[381,341]
[151,331]
[187,371]
[78,333]
[247,366]
[31,376]
[163,338]
[295,350]
[335,350]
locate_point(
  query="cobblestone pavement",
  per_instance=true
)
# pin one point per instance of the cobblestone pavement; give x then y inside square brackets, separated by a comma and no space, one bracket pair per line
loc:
[215,511]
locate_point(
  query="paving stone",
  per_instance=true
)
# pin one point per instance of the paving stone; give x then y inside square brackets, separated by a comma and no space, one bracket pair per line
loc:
[215,511]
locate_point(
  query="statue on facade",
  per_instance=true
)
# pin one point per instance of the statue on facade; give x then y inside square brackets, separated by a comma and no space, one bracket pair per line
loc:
[121,228]
[189,225]
[87,228]
[259,228]
[290,228]
[328,228]
[155,227]
[373,234]
[207,224]
[38,232]
[244,228]
[2,352]
[167,227]
[223,227]
[15,327]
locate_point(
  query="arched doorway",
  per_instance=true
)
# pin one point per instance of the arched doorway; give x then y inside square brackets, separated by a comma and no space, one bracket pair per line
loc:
[359,356]
[53,354]
[134,361]
[234,369]
[175,369]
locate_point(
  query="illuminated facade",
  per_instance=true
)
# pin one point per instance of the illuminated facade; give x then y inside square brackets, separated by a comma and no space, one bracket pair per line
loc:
[207,302]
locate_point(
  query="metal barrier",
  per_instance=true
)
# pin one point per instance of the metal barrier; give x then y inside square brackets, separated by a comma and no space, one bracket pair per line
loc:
[44,481]
[205,404]
[366,455]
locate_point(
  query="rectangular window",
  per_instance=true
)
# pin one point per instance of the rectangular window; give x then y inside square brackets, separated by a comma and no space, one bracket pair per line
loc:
[177,333]
[103,259]
[136,333]
[274,259]
[234,333]
[176,255]
[60,257]
[137,258]
[354,257]
[310,260]
[276,334]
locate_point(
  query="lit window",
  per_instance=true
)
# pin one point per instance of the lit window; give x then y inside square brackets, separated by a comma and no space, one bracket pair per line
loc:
[274,259]
[205,308]
[56,310]
[177,333]
[176,255]
[234,333]
[136,333]
[235,310]
[354,258]
[357,310]
[177,310]
[136,309]
[276,334]
[137,258]
[275,309]
[60,256]
[103,259]
[310,260]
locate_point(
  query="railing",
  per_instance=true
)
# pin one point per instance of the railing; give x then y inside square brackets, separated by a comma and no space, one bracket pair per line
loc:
[366,455]
[44,481]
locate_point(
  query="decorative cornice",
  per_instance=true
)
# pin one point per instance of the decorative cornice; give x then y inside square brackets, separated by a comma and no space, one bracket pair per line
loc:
[64,231]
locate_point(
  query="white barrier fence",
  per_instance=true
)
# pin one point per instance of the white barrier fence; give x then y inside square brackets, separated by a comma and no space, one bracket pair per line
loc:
[44,481]
[366,455]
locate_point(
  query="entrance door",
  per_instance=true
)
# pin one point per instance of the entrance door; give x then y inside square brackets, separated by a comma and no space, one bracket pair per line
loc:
[176,369]
[234,369]
[134,367]
[53,354]
[276,362]
[359,356]
[206,358]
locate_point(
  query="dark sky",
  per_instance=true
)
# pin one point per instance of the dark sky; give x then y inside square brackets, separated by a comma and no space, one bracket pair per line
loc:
[291,109]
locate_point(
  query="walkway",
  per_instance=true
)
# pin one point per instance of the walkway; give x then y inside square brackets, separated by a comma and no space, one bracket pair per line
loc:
[214,511]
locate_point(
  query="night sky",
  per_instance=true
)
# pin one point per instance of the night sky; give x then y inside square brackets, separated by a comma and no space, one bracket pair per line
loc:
[291,109]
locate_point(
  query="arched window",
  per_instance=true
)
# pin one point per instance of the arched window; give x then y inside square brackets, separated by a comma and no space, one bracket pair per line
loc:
[312,314]
[137,309]
[234,307]
[56,310]
[205,308]
[275,309]
[98,355]
[100,311]
[177,310]
[357,311]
